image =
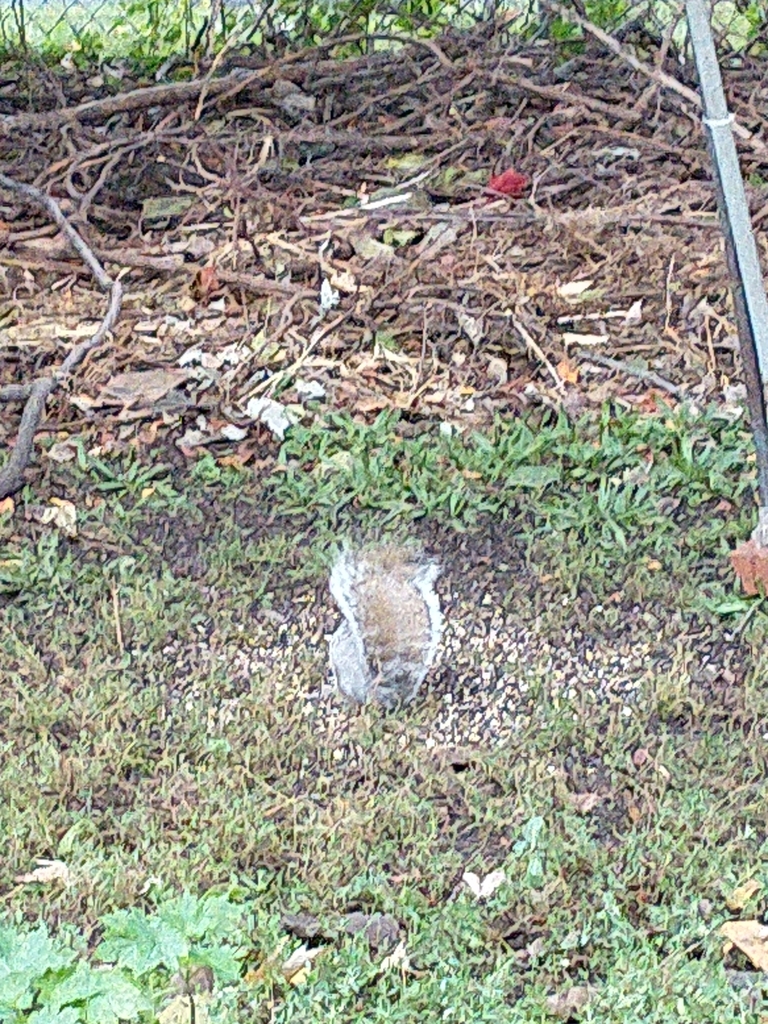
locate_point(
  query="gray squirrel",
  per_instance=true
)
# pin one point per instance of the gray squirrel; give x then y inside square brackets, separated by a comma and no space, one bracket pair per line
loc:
[392,624]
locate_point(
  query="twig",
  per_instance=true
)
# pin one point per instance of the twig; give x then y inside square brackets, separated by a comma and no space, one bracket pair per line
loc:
[631,371]
[179,92]
[534,347]
[655,74]
[270,384]
[116,615]
[12,474]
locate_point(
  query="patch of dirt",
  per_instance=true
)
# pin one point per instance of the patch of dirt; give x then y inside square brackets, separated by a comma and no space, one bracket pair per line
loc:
[500,658]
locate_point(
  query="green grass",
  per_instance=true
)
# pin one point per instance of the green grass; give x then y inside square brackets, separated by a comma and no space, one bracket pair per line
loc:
[139,750]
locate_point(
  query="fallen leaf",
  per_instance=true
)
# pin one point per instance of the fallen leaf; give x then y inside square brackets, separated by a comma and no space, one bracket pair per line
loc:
[309,389]
[370,248]
[7,507]
[397,958]
[485,888]
[381,930]
[344,281]
[585,340]
[498,370]
[298,965]
[329,297]
[568,371]
[566,1005]
[584,802]
[272,414]
[371,403]
[509,183]
[47,871]
[143,386]
[231,432]
[179,1010]
[161,208]
[471,326]
[61,513]
[751,937]
[193,438]
[207,284]
[574,289]
[63,451]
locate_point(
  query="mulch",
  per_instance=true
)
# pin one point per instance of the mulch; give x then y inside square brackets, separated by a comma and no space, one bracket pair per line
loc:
[312,229]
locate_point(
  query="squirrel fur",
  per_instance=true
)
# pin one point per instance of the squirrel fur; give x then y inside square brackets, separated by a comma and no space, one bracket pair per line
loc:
[392,624]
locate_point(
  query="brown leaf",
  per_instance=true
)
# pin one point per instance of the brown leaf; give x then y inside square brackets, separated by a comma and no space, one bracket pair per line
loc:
[371,403]
[47,871]
[635,814]
[143,387]
[585,802]
[751,937]
[569,1003]
[569,372]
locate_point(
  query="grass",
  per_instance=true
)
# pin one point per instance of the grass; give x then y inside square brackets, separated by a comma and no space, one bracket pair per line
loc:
[139,748]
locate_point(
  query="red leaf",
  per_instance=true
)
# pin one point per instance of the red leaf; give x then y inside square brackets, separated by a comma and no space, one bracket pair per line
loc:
[509,183]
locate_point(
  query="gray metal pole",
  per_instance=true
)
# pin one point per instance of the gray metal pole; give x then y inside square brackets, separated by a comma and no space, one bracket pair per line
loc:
[750,304]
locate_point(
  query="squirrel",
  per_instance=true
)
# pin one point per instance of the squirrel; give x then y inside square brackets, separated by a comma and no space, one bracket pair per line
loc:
[392,624]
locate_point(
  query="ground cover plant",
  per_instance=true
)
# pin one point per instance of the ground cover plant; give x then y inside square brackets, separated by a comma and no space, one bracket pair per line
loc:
[149,751]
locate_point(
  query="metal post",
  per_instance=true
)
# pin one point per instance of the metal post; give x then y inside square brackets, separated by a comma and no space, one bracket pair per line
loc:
[747,286]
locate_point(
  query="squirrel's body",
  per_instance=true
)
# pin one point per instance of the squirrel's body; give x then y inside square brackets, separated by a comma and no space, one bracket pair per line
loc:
[392,623]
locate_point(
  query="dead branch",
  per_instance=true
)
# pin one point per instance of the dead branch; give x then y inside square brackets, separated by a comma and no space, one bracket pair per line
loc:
[631,371]
[654,74]
[179,92]
[36,394]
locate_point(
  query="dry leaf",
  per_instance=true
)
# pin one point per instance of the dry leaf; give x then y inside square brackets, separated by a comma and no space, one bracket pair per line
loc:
[397,958]
[567,1004]
[751,937]
[498,370]
[371,403]
[298,965]
[47,871]
[485,888]
[344,281]
[61,513]
[7,507]
[142,386]
[585,802]
[63,451]
[574,289]
[179,1011]
[277,417]
[568,371]
[472,327]
[509,183]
